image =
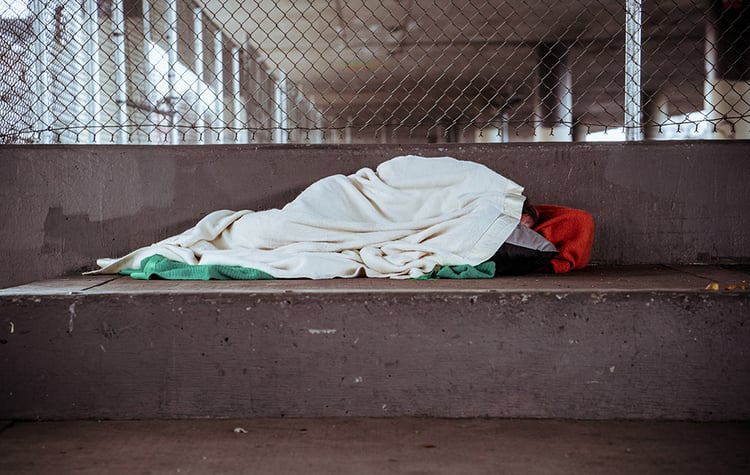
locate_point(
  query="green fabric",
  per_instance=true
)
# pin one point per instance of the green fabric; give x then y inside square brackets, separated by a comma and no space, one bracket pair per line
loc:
[159,267]
[485,270]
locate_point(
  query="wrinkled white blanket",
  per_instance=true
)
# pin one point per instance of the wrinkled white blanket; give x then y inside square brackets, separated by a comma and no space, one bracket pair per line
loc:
[399,221]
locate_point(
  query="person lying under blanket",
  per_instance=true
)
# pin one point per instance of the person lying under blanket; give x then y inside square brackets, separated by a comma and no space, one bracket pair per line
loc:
[411,217]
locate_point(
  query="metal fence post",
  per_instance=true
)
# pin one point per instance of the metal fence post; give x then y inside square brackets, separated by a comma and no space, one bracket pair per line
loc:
[632,119]
[218,68]
[200,105]
[172,59]
[150,86]
[41,70]
[92,101]
[121,94]
[238,123]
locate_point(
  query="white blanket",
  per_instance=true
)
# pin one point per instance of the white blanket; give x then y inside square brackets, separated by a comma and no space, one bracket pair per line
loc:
[401,220]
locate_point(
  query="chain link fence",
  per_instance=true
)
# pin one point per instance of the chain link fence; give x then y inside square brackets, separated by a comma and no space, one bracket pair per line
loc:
[372,71]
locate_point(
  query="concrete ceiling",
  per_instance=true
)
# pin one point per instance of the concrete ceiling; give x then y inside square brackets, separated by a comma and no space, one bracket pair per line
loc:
[375,61]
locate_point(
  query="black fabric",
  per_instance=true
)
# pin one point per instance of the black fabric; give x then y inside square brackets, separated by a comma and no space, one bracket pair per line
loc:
[512,259]
[525,251]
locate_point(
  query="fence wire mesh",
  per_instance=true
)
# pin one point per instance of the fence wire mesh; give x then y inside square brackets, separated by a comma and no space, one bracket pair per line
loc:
[372,71]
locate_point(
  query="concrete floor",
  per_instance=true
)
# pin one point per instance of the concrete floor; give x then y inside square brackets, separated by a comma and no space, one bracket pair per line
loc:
[374,446]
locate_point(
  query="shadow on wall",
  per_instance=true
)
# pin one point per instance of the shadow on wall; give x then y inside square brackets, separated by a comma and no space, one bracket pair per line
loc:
[81,241]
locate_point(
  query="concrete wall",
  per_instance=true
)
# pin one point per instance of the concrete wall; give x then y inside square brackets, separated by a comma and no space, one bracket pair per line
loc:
[65,205]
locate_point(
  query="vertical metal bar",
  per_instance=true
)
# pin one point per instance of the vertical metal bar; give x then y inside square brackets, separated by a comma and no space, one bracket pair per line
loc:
[237,122]
[92,87]
[121,94]
[150,86]
[219,84]
[171,34]
[41,70]
[200,105]
[632,119]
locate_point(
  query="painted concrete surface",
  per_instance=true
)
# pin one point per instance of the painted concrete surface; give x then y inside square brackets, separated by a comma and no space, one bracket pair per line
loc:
[375,446]
[628,343]
[63,206]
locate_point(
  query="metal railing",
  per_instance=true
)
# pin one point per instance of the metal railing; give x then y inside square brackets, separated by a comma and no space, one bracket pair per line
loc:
[329,71]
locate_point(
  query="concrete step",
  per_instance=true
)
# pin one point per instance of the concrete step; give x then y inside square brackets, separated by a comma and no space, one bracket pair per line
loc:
[365,446]
[634,342]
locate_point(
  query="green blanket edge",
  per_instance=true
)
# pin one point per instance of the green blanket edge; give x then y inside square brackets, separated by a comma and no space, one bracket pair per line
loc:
[159,267]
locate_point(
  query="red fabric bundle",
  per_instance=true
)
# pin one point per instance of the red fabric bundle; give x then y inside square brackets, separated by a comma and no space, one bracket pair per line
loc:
[572,233]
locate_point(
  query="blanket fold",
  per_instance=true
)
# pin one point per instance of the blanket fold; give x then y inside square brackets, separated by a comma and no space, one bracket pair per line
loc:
[571,231]
[402,220]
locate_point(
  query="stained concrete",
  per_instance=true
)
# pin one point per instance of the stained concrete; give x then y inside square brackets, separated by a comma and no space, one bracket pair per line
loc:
[63,206]
[597,278]
[375,446]
[629,342]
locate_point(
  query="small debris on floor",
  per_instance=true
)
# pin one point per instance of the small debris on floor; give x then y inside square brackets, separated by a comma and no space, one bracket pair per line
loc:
[738,286]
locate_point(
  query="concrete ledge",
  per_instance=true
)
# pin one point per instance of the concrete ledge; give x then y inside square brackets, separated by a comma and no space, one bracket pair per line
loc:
[63,206]
[604,343]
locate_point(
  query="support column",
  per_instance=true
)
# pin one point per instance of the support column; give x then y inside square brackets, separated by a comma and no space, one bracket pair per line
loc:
[504,127]
[727,86]
[281,118]
[580,130]
[457,131]
[436,134]
[554,94]
[383,131]
[655,115]
[348,131]
[317,122]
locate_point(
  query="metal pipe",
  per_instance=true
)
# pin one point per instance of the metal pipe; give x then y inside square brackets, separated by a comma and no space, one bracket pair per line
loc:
[219,84]
[200,105]
[237,122]
[121,93]
[150,85]
[92,88]
[41,70]
[172,59]
[632,119]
